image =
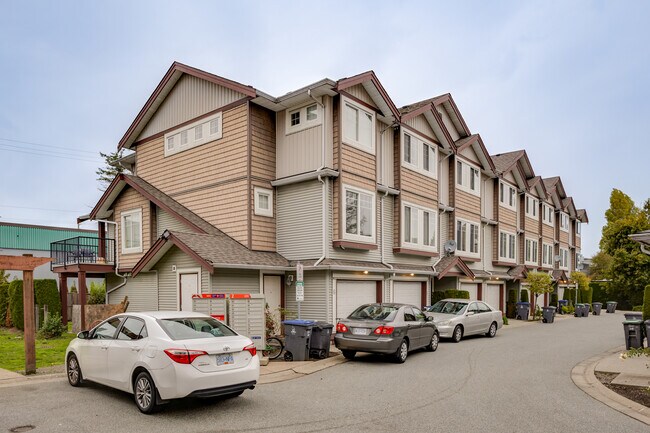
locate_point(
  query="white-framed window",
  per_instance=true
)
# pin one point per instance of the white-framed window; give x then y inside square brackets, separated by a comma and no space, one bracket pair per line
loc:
[263,202]
[467,237]
[532,204]
[547,215]
[564,258]
[564,222]
[578,228]
[418,154]
[359,214]
[547,255]
[194,134]
[419,227]
[358,126]
[507,196]
[531,251]
[303,117]
[131,231]
[468,177]
[507,246]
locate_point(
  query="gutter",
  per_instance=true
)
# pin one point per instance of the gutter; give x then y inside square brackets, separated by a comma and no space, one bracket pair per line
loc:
[320,178]
[310,175]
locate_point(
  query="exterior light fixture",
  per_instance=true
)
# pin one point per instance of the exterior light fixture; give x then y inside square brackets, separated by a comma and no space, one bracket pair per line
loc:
[365,272]
[413,275]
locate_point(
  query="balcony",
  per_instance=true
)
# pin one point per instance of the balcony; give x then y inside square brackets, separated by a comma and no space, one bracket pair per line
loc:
[83,253]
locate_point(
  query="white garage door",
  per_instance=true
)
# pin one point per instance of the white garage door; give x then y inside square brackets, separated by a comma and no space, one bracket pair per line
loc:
[408,292]
[492,295]
[351,294]
[540,300]
[472,288]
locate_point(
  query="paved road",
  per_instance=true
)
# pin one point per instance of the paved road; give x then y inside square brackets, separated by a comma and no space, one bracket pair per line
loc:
[519,381]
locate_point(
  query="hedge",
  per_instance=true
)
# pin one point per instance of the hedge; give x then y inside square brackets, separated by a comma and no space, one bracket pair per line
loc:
[511,305]
[444,294]
[16,303]
[554,299]
[646,303]
[46,293]
[524,295]
[4,302]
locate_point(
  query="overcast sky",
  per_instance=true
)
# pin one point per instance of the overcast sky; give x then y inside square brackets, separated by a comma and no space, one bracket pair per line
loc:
[567,81]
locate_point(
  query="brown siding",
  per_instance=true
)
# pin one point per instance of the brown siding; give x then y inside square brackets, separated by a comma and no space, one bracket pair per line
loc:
[564,237]
[531,225]
[263,159]
[578,242]
[547,232]
[358,162]
[420,184]
[508,216]
[127,201]
[468,202]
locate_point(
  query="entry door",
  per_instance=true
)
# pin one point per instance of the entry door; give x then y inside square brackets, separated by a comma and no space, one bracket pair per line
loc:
[189,285]
[273,297]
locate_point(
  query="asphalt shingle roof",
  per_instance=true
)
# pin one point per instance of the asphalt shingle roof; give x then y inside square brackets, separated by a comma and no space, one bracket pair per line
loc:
[504,161]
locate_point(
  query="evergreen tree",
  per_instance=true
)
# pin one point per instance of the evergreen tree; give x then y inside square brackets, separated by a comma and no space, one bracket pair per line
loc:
[112,168]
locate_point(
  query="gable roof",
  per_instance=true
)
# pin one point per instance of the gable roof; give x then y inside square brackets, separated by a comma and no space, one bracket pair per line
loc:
[568,204]
[161,91]
[447,263]
[536,182]
[518,272]
[479,148]
[374,88]
[559,275]
[582,216]
[428,109]
[447,103]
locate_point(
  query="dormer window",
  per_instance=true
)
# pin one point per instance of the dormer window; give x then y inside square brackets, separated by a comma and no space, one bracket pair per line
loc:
[507,196]
[564,222]
[467,177]
[418,155]
[547,215]
[304,117]
[358,126]
[531,206]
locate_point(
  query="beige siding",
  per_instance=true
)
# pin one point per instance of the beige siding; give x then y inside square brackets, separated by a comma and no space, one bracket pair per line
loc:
[298,152]
[262,227]
[470,155]
[386,156]
[564,237]
[317,304]
[360,92]
[141,290]
[358,162]
[168,279]
[446,120]
[191,97]
[417,183]
[508,217]
[165,221]
[299,220]
[129,200]
[467,202]
[531,225]
[443,175]
[421,124]
[578,242]
[547,232]
[236,281]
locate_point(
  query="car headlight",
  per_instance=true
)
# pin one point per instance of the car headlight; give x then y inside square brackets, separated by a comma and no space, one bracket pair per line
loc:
[444,323]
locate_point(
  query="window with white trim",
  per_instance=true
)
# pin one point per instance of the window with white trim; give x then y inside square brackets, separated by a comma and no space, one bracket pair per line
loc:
[131,231]
[419,227]
[194,134]
[358,126]
[507,246]
[302,118]
[359,214]
[547,255]
[418,154]
[263,202]
[547,215]
[468,177]
[564,222]
[578,228]
[507,196]
[532,204]
[467,237]
[531,251]
[564,258]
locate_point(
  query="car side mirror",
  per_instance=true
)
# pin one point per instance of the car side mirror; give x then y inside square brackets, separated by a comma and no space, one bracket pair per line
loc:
[83,335]
[429,319]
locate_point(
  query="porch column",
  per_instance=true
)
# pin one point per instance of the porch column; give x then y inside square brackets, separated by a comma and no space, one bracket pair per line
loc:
[81,275]
[63,293]
[101,246]
[502,292]
[30,323]
[479,291]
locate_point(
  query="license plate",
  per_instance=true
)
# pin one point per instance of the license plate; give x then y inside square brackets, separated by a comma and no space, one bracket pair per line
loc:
[225,359]
[360,331]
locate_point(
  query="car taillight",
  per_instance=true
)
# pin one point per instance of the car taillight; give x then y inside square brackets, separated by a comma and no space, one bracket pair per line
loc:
[252,349]
[340,327]
[183,356]
[383,330]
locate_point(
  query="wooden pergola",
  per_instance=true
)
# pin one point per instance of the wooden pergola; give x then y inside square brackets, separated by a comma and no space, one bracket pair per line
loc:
[26,263]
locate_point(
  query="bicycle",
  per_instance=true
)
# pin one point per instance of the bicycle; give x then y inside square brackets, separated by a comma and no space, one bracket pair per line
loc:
[274,347]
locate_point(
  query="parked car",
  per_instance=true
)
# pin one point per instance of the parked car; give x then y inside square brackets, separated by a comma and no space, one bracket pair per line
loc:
[456,318]
[393,329]
[161,356]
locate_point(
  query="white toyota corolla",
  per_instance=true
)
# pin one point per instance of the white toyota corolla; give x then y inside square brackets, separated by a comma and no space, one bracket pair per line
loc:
[161,356]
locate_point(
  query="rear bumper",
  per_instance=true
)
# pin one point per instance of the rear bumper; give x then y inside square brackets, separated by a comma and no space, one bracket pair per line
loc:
[381,345]
[223,390]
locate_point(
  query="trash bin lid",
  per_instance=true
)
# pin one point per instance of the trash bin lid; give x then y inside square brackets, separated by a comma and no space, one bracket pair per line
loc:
[323,324]
[550,307]
[611,302]
[596,303]
[301,322]
[632,322]
[524,303]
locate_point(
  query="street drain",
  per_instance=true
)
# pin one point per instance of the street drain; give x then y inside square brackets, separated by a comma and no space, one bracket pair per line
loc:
[22,428]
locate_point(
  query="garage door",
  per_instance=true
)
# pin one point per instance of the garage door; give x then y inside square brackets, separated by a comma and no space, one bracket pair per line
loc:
[408,292]
[351,294]
[492,295]
[540,300]
[560,292]
[472,288]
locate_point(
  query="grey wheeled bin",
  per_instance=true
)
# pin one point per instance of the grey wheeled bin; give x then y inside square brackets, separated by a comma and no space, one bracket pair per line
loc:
[523,309]
[633,335]
[297,336]
[562,303]
[548,314]
[633,315]
[596,306]
[321,336]
[611,306]
[580,310]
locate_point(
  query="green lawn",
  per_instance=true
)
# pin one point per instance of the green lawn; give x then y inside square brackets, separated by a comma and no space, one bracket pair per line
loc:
[48,352]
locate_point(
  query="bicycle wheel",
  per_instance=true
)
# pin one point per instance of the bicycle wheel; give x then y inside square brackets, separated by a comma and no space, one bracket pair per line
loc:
[274,347]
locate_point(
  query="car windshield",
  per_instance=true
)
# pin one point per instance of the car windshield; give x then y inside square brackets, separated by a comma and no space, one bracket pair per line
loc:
[447,307]
[194,327]
[374,312]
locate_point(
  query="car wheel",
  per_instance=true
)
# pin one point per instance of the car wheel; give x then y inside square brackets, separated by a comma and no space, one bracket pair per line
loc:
[75,378]
[144,392]
[433,344]
[348,354]
[458,334]
[492,331]
[402,352]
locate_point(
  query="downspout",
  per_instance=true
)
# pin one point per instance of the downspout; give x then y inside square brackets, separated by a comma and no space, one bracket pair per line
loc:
[117,262]
[320,179]
[484,225]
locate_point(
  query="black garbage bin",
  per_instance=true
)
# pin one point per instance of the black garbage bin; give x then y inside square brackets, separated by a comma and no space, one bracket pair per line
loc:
[548,314]
[297,336]
[523,309]
[633,335]
[611,306]
[647,332]
[633,315]
[579,311]
[321,336]
[597,306]
[562,303]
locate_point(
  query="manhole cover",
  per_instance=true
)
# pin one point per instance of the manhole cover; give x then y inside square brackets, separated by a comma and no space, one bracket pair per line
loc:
[22,428]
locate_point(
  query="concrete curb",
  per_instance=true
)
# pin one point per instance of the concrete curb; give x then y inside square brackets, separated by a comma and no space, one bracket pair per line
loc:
[584,378]
[301,371]
[26,380]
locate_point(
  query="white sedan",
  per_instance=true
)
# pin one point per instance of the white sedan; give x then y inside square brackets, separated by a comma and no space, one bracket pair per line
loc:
[457,318]
[161,356]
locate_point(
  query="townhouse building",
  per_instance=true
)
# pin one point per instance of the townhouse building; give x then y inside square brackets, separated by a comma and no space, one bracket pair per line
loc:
[230,188]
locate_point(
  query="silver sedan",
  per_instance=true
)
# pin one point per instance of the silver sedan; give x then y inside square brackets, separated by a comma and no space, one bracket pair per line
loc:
[456,318]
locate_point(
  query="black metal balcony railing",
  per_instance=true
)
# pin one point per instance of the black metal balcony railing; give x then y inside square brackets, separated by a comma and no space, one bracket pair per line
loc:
[82,249]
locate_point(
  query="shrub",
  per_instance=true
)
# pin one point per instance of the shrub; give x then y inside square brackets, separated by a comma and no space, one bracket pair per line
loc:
[524,295]
[554,298]
[437,295]
[16,304]
[458,294]
[646,303]
[46,293]
[97,294]
[4,302]
[505,320]
[637,308]
[52,327]
[511,307]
